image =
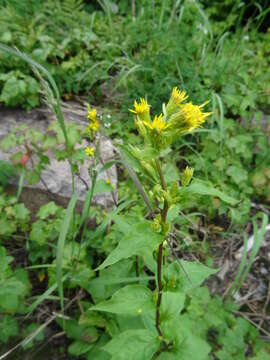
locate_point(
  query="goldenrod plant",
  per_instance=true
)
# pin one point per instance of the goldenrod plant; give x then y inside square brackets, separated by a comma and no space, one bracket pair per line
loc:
[158,333]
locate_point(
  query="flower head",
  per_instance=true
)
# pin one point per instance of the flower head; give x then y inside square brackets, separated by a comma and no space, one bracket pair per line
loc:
[93,121]
[177,98]
[158,124]
[92,114]
[141,109]
[188,117]
[194,117]
[93,126]
[89,151]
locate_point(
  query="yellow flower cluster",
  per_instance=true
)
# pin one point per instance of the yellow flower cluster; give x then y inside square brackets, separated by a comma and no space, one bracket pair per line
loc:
[193,115]
[179,118]
[93,121]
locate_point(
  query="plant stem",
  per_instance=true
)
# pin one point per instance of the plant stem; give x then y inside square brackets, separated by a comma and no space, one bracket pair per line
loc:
[160,252]
[159,278]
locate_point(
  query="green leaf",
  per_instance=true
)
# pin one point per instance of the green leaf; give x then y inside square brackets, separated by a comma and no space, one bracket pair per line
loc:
[196,274]
[8,328]
[47,210]
[22,213]
[97,351]
[8,142]
[187,345]
[206,188]
[238,174]
[140,240]
[78,348]
[102,187]
[132,299]
[171,305]
[133,345]
[107,282]
[262,355]
[91,318]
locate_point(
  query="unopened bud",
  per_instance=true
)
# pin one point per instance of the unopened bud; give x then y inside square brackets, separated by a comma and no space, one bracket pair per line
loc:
[187,176]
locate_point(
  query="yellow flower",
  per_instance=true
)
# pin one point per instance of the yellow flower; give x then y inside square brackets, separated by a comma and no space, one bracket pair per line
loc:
[108,181]
[94,126]
[193,115]
[141,109]
[187,176]
[178,96]
[92,114]
[93,121]
[158,124]
[89,151]
[187,118]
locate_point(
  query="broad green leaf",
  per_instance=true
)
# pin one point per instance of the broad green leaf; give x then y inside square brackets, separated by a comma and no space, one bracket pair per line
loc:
[191,347]
[140,240]
[186,344]
[196,274]
[132,299]
[204,188]
[171,305]
[133,345]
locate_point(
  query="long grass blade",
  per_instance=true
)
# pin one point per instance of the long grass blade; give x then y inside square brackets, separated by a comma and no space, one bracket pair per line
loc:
[258,238]
[20,184]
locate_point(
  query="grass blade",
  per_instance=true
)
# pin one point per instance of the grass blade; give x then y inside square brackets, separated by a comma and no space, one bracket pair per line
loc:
[20,184]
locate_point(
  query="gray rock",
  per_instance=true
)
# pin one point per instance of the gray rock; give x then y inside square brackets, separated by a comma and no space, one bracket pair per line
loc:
[56,178]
